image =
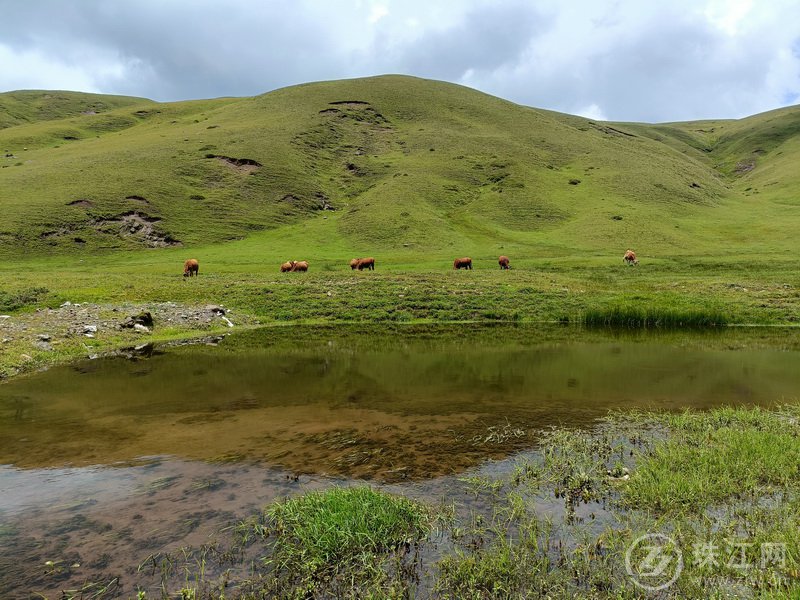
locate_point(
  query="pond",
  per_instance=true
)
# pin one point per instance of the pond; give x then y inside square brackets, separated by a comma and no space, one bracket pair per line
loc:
[107,462]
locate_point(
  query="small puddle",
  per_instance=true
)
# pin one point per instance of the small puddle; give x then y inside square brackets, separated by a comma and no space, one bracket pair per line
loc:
[105,463]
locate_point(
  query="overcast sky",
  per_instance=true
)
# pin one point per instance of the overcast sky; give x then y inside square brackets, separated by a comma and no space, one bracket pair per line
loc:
[642,60]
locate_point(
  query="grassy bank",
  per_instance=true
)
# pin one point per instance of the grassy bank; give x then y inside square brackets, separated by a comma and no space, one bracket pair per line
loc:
[405,288]
[599,294]
[646,505]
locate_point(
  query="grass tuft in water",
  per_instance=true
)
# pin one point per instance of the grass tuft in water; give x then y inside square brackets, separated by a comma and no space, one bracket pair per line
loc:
[711,457]
[343,535]
[634,317]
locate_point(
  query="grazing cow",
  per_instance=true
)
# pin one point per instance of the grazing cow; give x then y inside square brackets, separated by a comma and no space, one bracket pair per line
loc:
[630,257]
[462,263]
[363,263]
[300,265]
[504,263]
[287,266]
[366,263]
[191,267]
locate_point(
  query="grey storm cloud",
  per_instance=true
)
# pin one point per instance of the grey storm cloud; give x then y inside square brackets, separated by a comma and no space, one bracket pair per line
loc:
[485,39]
[621,59]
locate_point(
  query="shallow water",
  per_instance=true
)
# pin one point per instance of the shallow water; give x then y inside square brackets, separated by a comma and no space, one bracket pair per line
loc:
[109,461]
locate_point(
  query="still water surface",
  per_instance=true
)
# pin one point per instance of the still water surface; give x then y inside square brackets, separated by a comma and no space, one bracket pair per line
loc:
[105,462]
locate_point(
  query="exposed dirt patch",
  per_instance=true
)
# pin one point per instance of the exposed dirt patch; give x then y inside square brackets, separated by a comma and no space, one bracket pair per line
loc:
[241,165]
[54,233]
[82,202]
[349,103]
[324,202]
[355,110]
[319,201]
[745,166]
[137,225]
[354,169]
[611,130]
[141,199]
[291,199]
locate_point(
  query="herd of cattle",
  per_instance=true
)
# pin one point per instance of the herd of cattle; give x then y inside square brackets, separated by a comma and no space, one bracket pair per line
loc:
[191,267]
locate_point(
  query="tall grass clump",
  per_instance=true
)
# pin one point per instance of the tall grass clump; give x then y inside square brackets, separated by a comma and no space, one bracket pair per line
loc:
[336,537]
[11,301]
[633,317]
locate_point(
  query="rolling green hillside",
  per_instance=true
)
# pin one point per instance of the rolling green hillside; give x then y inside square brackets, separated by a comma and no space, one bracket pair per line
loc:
[31,106]
[389,163]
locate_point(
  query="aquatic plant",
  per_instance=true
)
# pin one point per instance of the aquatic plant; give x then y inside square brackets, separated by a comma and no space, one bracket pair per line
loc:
[628,316]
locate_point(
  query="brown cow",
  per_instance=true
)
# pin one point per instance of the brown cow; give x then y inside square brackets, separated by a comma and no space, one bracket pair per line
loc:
[191,267]
[287,266]
[630,257]
[462,263]
[366,263]
[504,263]
[300,265]
[363,263]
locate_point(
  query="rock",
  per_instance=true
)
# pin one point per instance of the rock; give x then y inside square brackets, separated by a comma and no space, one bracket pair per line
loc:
[217,310]
[90,329]
[44,337]
[26,357]
[140,327]
[43,346]
[227,321]
[88,335]
[5,316]
[144,318]
[67,303]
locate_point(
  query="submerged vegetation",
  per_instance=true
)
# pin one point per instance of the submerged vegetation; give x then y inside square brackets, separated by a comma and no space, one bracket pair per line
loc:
[646,504]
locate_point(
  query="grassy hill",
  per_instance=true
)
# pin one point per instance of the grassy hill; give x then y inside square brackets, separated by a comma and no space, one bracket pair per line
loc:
[394,163]
[31,106]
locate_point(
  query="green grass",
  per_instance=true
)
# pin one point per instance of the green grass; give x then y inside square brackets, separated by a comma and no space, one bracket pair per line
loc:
[711,458]
[342,536]
[627,316]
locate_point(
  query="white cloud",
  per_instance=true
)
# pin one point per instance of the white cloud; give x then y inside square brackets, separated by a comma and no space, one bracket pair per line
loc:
[593,112]
[728,14]
[378,12]
[31,69]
